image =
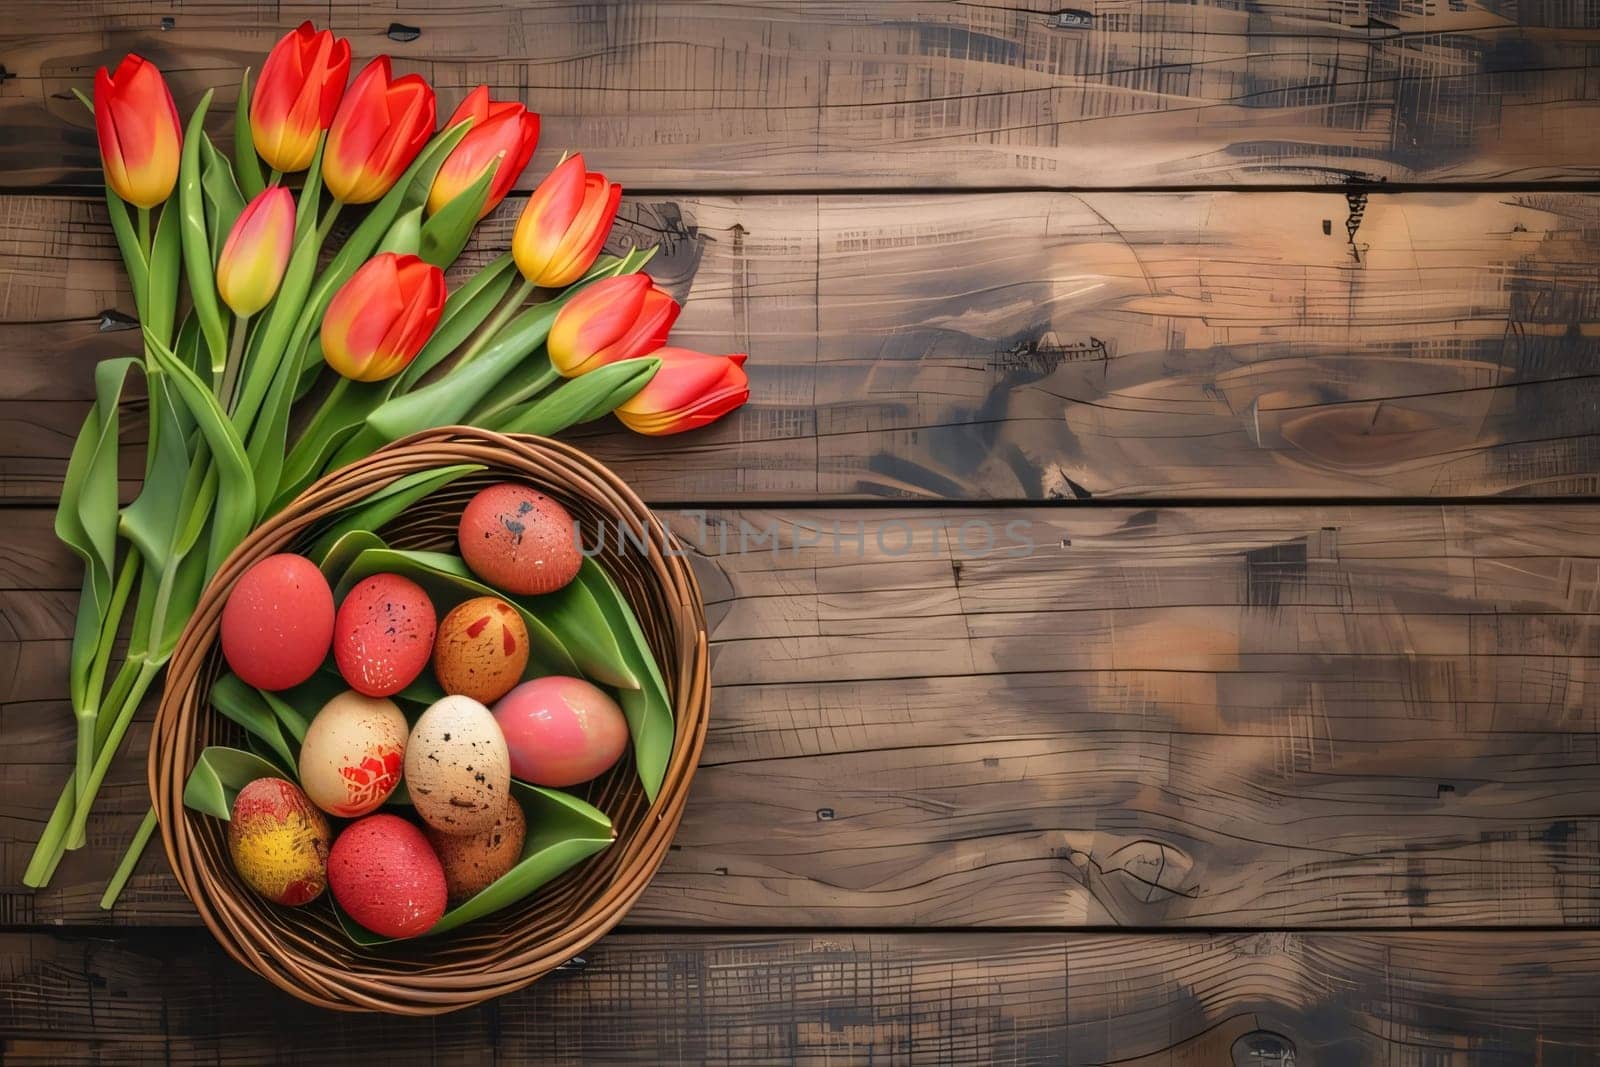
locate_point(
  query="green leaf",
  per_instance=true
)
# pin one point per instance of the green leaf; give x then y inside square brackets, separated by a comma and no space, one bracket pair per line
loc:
[530,378]
[161,307]
[464,311]
[447,581]
[151,521]
[448,231]
[245,160]
[218,775]
[248,707]
[582,399]
[197,258]
[86,517]
[384,504]
[405,234]
[563,831]
[235,513]
[340,416]
[577,619]
[223,201]
[648,710]
[336,558]
[133,256]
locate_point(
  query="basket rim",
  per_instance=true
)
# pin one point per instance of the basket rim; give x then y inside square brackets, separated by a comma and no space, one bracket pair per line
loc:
[309,967]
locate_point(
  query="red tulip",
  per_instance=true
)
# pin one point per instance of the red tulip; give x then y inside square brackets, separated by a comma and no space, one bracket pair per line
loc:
[379,320]
[140,136]
[257,251]
[564,224]
[297,95]
[610,320]
[382,124]
[690,390]
[502,135]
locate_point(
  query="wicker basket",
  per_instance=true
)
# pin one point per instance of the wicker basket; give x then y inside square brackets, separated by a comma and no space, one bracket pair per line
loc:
[302,950]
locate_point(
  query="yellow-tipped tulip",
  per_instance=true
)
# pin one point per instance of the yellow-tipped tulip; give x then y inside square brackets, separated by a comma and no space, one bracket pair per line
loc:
[140,136]
[610,320]
[257,252]
[689,390]
[379,320]
[564,224]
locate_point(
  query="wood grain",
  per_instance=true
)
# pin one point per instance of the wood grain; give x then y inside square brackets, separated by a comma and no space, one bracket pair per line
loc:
[750,97]
[1267,717]
[1026,346]
[825,997]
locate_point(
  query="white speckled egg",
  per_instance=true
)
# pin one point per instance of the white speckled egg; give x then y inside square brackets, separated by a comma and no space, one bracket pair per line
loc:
[351,758]
[458,769]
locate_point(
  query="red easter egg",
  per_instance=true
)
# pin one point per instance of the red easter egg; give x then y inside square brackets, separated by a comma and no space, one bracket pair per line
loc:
[386,876]
[278,622]
[560,731]
[383,635]
[519,540]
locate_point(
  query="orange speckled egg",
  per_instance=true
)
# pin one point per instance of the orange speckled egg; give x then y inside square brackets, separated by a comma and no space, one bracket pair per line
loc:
[383,634]
[518,539]
[278,622]
[481,650]
[353,754]
[384,874]
[560,731]
[473,861]
[279,842]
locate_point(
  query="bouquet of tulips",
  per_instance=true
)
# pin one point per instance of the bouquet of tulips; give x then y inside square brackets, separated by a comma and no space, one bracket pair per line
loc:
[243,417]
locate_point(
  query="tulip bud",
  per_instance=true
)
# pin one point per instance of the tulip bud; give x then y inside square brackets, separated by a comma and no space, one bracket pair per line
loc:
[140,136]
[295,100]
[379,320]
[503,135]
[257,251]
[564,224]
[610,320]
[382,124]
[690,390]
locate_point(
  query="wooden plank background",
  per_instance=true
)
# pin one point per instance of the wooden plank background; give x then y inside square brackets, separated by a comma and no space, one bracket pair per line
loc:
[1278,745]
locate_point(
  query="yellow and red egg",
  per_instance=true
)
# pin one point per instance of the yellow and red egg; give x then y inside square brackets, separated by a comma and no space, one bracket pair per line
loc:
[279,842]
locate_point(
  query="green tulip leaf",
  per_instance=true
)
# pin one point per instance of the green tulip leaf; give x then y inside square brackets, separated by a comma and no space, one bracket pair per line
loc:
[151,521]
[448,582]
[223,201]
[563,831]
[341,415]
[404,235]
[219,774]
[197,258]
[248,707]
[447,232]
[583,399]
[336,558]
[579,621]
[383,505]
[133,256]
[245,160]
[647,708]
[161,298]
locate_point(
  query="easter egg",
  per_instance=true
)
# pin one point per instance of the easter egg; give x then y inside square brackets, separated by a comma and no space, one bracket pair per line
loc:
[279,842]
[457,769]
[481,649]
[278,622]
[384,874]
[383,634]
[353,753]
[472,861]
[519,540]
[560,731]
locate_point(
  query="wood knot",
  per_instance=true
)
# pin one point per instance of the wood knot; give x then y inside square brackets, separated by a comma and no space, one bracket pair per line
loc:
[1263,1048]
[1150,871]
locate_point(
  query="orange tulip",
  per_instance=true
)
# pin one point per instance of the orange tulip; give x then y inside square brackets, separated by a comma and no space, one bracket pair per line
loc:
[379,320]
[297,95]
[610,320]
[502,135]
[382,124]
[564,224]
[690,390]
[140,136]
[257,251]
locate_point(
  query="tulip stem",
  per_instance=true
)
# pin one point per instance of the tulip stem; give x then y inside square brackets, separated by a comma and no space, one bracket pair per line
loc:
[230,374]
[275,176]
[327,222]
[144,232]
[501,317]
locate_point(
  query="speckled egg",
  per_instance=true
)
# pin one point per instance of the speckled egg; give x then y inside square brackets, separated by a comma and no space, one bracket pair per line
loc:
[481,650]
[384,874]
[278,622]
[560,730]
[353,753]
[457,769]
[383,635]
[519,540]
[472,861]
[279,842]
